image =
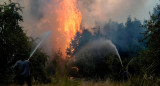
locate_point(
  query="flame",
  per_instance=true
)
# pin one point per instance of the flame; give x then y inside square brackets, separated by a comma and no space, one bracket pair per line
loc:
[76,68]
[69,18]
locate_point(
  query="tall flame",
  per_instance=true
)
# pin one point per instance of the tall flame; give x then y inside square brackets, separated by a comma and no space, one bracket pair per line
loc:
[69,18]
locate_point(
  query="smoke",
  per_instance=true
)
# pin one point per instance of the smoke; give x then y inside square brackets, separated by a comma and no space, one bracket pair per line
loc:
[94,12]
[99,49]
[98,12]
[36,7]
[40,16]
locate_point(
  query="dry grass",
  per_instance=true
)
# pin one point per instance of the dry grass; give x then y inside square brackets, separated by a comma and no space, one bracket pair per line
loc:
[33,85]
[83,83]
[106,83]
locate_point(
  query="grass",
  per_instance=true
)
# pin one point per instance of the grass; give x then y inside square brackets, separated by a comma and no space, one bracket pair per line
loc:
[100,83]
[134,81]
[81,83]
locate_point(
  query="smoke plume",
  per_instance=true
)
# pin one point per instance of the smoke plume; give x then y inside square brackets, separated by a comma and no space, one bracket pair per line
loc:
[40,15]
[100,48]
[98,12]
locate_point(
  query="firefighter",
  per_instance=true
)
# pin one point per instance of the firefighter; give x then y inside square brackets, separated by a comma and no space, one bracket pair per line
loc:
[22,71]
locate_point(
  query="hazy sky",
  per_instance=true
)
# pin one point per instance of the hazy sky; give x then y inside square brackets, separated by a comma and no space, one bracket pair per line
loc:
[94,10]
[40,15]
[144,13]
[100,11]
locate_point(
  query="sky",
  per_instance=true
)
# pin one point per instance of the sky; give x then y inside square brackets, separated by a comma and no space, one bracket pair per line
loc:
[93,11]
[40,16]
[100,11]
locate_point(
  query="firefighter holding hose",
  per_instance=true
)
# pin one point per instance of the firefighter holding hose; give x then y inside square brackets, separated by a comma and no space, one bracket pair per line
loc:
[22,66]
[22,70]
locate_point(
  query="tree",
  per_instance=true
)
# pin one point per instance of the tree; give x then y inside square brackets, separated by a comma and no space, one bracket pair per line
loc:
[152,38]
[13,41]
[37,66]
[79,41]
[15,44]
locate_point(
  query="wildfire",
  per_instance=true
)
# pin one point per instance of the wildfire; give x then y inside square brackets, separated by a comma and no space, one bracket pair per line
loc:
[76,68]
[69,18]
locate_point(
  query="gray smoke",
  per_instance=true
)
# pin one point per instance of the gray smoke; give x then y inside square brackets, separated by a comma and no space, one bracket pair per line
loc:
[94,12]
[36,7]
[98,12]
[100,48]
[39,15]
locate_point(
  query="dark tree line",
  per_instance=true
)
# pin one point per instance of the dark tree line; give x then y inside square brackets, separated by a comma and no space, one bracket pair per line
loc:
[139,49]
[126,37]
[148,60]
[137,43]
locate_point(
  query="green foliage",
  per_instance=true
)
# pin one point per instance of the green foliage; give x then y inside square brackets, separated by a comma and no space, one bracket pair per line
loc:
[91,67]
[142,81]
[152,38]
[59,71]
[86,66]
[15,44]
[63,79]
[147,62]
[56,64]
[37,66]
[114,71]
[13,41]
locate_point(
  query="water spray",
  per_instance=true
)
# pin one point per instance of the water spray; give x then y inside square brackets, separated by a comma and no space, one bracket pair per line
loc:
[119,56]
[44,37]
[106,47]
[116,51]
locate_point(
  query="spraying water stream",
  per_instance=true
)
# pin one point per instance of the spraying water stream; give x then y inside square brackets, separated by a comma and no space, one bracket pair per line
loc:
[116,51]
[44,37]
[98,48]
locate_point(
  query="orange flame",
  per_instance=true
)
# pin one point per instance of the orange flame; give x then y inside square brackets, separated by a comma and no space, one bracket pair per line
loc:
[76,68]
[69,18]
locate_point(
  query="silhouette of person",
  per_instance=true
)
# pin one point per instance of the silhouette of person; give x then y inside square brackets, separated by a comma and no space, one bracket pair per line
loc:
[22,70]
[124,75]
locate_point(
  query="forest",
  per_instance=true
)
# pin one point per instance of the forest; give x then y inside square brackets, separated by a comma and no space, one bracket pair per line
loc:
[98,57]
